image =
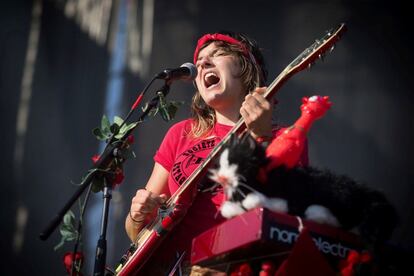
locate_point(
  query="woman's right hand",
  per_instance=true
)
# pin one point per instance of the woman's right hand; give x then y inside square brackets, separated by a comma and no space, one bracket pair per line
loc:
[144,204]
[146,201]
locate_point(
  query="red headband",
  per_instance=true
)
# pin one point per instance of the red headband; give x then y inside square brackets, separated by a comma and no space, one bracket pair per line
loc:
[221,37]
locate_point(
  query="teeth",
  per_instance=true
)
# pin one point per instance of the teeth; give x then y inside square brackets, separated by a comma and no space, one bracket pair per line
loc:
[206,76]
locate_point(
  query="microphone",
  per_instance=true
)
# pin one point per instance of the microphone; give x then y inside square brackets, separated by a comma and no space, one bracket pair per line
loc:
[187,71]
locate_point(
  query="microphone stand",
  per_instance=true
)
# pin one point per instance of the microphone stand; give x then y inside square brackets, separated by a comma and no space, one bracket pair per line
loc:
[100,254]
[112,150]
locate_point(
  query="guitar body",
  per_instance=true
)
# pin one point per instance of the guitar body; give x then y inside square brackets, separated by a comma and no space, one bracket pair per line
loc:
[161,261]
[151,259]
[137,259]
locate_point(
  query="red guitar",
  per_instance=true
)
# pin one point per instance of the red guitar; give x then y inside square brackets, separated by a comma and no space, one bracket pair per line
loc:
[151,236]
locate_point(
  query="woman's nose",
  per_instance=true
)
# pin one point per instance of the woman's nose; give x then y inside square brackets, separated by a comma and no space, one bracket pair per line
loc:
[206,62]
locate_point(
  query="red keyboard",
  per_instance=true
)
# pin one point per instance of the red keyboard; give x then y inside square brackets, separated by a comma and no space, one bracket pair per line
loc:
[260,233]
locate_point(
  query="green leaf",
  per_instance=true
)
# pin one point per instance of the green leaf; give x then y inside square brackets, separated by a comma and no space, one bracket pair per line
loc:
[68,235]
[71,238]
[118,120]
[125,128]
[105,124]
[60,244]
[169,109]
[67,227]
[99,134]
[153,112]
[69,218]
[163,102]
[164,114]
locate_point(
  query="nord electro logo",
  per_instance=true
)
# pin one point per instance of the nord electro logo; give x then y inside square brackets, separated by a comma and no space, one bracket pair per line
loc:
[290,237]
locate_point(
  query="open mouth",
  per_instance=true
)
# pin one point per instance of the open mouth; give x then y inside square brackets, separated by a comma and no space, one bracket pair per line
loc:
[210,79]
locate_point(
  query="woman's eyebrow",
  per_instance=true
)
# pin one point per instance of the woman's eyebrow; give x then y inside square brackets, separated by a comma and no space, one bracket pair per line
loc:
[209,54]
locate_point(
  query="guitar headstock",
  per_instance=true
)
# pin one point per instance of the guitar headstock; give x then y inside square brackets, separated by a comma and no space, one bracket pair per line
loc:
[317,50]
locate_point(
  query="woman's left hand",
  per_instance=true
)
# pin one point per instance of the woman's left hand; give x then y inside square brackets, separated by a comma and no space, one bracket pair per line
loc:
[257,113]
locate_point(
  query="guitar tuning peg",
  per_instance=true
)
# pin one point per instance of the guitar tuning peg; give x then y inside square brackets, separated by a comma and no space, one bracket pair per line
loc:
[310,65]
[332,48]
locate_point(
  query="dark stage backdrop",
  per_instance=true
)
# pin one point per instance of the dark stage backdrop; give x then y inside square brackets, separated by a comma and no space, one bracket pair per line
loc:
[367,134]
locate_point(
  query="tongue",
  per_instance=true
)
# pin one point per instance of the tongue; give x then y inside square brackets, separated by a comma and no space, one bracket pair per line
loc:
[211,80]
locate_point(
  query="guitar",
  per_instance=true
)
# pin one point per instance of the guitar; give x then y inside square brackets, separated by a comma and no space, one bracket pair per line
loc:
[150,237]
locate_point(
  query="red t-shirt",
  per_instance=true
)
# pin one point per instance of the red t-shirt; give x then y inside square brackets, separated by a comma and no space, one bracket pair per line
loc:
[181,155]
